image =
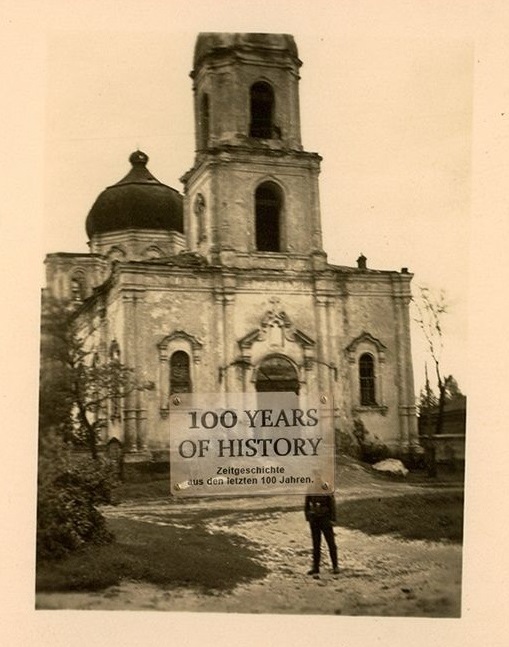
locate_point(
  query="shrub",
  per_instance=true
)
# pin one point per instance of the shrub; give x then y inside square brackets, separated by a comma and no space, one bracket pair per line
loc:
[347,444]
[414,459]
[375,451]
[371,447]
[67,498]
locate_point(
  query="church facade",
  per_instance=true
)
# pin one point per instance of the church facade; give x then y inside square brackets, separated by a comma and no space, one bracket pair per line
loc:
[227,287]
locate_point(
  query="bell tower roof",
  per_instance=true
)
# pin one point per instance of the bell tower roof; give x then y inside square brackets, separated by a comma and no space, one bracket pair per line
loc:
[210,44]
[252,194]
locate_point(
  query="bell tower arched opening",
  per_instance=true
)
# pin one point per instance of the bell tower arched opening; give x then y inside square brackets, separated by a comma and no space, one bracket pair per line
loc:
[262,111]
[268,208]
[204,125]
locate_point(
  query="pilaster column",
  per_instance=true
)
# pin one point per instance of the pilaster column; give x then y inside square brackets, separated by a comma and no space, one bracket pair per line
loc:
[317,244]
[413,433]
[332,352]
[214,210]
[134,412]
[402,372]
[164,382]
[228,330]
[130,418]
[141,423]
[345,385]
[322,342]
[219,350]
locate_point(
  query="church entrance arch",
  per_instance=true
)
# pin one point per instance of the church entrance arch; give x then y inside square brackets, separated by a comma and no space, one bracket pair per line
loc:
[277,373]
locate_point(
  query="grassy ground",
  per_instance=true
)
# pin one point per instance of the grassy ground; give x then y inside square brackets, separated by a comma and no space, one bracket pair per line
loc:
[156,489]
[433,516]
[187,554]
[165,555]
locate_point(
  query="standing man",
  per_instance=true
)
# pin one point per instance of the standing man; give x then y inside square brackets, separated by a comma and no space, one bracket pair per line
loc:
[320,511]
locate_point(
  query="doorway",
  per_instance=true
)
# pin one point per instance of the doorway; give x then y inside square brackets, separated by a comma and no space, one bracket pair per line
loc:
[277,374]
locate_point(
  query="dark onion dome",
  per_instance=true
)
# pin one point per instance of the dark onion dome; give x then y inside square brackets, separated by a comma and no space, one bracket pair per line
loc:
[138,201]
[217,43]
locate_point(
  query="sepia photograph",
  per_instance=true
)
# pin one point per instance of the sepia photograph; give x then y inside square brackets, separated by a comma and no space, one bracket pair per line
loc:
[254,279]
[229,279]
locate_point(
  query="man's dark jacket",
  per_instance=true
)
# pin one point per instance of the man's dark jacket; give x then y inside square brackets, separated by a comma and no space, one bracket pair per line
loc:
[320,508]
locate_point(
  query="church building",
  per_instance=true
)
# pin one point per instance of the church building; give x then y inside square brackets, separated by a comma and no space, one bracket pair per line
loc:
[226,287]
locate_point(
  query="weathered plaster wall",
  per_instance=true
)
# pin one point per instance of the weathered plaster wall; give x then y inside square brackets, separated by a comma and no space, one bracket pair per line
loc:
[206,312]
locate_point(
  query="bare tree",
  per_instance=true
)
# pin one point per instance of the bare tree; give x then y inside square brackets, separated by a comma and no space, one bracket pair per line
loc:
[431,309]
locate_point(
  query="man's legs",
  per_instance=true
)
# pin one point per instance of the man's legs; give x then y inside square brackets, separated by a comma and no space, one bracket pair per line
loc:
[316,536]
[328,533]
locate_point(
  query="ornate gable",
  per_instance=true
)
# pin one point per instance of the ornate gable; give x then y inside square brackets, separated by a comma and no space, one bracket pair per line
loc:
[278,335]
[365,338]
[194,343]
[276,329]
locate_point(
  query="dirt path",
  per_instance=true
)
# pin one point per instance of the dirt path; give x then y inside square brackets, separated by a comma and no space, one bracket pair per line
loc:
[381,575]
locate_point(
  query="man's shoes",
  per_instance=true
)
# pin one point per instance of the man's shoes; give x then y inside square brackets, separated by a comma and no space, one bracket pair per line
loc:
[335,570]
[314,573]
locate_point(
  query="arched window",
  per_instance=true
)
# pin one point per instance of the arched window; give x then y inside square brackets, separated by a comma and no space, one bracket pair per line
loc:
[180,376]
[367,379]
[268,205]
[78,287]
[115,352]
[262,111]
[204,121]
[199,210]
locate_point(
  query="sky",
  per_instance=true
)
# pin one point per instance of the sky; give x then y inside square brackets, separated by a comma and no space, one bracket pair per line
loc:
[390,113]
[386,94]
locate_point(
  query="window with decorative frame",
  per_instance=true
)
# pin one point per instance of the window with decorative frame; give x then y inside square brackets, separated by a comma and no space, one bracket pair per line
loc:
[180,374]
[176,372]
[78,286]
[366,356]
[367,380]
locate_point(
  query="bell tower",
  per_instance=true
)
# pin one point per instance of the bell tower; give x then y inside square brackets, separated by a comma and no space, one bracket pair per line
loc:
[251,198]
